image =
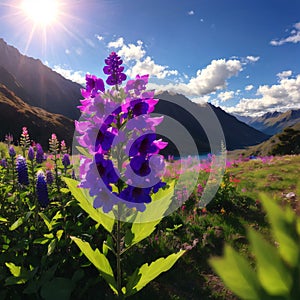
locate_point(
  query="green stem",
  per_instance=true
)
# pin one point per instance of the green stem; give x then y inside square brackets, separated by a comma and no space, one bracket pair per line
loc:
[119,271]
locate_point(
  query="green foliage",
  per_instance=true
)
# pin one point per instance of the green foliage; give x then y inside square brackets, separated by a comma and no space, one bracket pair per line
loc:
[289,142]
[277,269]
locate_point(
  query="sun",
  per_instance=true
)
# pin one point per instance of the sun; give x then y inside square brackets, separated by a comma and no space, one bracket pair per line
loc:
[41,12]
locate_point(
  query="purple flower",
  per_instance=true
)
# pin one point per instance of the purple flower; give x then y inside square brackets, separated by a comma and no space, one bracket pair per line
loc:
[3,163]
[11,151]
[30,153]
[22,170]
[49,177]
[114,69]
[94,86]
[42,190]
[66,160]
[143,145]
[39,154]
[136,194]
[140,165]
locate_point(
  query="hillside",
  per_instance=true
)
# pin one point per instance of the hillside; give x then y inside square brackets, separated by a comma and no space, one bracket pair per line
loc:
[275,122]
[285,142]
[36,84]
[237,134]
[15,113]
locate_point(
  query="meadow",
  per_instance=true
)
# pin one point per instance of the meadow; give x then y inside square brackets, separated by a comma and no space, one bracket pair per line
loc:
[39,214]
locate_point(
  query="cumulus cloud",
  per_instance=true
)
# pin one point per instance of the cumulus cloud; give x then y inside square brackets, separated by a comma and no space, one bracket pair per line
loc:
[225,96]
[282,96]
[294,37]
[191,13]
[207,80]
[253,59]
[116,44]
[132,52]
[249,87]
[76,76]
[134,55]
[99,37]
[284,74]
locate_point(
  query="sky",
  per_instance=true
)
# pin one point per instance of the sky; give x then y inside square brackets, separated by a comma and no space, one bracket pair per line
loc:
[241,55]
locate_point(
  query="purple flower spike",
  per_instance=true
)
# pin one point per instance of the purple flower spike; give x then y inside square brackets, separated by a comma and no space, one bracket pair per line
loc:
[22,170]
[66,160]
[30,154]
[39,154]
[114,69]
[49,177]
[42,190]
[11,151]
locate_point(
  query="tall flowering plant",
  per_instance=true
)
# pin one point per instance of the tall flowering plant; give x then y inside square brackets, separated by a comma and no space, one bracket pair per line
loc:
[121,172]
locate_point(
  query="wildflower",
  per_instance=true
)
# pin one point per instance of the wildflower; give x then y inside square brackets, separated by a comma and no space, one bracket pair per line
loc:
[66,160]
[53,144]
[11,151]
[22,170]
[24,140]
[30,154]
[222,211]
[42,190]
[114,69]
[49,177]
[94,85]
[39,154]
[63,147]
[3,163]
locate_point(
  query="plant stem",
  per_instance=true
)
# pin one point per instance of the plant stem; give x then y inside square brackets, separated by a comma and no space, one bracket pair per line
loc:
[119,279]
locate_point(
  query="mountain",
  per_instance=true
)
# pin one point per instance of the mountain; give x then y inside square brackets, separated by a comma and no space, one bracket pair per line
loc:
[15,113]
[285,142]
[275,122]
[36,84]
[178,107]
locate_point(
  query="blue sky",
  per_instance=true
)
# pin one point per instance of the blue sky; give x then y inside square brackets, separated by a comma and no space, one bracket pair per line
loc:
[241,55]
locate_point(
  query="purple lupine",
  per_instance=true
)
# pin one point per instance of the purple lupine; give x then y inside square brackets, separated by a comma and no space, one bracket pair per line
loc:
[94,86]
[66,160]
[105,115]
[49,177]
[11,151]
[3,163]
[39,157]
[42,190]
[30,154]
[22,170]
[114,69]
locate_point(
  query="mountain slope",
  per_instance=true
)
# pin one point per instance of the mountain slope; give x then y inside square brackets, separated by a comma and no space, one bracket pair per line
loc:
[237,134]
[272,123]
[15,113]
[37,84]
[284,142]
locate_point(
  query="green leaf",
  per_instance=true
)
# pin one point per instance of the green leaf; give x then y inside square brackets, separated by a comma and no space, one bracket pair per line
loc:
[4,220]
[59,234]
[58,288]
[14,270]
[99,261]
[146,273]
[83,151]
[283,229]
[46,220]
[237,274]
[85,202]
[272,273]
[64,190]
[51,247]
[41,241]
[20,221]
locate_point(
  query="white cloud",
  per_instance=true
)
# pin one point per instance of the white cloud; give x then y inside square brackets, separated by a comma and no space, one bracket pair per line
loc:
[78,51]
[208,80]
[284,74]
[116,44]
[67,51]
[282,96]
[253,59]
[249,87]
[99,37]
[148,66]
[191,13]
[225,96]
[203,99]
[132,52]
[76,76]
[294,37]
